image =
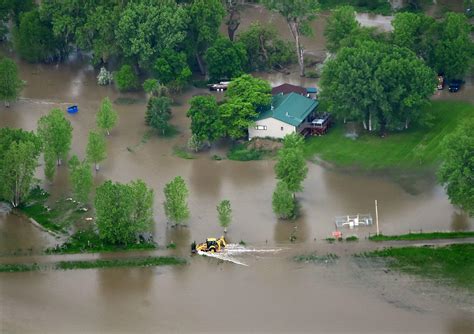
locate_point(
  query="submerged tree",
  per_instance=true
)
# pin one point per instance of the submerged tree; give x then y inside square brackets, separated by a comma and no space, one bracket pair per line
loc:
[158,113]
[81,179]
[10,83]
[176,201]
[56,132]
[341,24]
[224,212]
[123,211]
[291,165]
[283,203]
[96,150]
[457,171]
[298,15]
[206,124]
[107,116]
[19,153]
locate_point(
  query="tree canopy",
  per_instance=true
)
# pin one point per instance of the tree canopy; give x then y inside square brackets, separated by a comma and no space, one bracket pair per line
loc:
[457,171]
[81,179]
[283,203]
[341,24]
[123,211]
[107,116]
[158,113]
[19,153]
[224,212]
[206,123]
[225,59]
[96,149]
[10,83]
[176,201]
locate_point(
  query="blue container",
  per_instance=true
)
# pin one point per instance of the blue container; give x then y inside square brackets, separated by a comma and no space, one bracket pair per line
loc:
[72,109]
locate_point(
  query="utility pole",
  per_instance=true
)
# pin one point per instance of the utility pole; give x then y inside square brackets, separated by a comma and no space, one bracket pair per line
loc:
[377,217]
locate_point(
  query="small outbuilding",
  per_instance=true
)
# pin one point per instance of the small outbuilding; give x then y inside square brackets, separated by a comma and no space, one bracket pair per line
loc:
[289,113]
[287,88]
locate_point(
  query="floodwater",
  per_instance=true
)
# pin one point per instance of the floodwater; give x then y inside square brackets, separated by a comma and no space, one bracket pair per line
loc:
[272,293]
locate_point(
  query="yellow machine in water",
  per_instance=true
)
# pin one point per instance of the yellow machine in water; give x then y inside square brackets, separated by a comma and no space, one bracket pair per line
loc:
[211,245]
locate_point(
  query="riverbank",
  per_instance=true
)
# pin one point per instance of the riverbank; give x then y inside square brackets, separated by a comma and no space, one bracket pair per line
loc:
[415,148]
[452,264]
[150,261]
[423,236]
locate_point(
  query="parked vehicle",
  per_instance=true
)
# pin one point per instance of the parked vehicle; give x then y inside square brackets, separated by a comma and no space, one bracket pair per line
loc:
[454,85]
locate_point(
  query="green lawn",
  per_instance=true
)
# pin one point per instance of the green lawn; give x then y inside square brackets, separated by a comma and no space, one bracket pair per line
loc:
[453,264]
[415,147]
[424,236]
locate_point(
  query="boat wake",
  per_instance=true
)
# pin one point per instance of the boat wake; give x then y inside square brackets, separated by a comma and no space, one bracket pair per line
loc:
[232,251]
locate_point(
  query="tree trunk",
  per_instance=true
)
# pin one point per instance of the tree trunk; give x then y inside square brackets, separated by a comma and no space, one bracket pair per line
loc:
[262,47]
[97,166]
[7,104]
[108,132]
[370,122]
[365,124]
[225,230]
[59,162]
[406,123]
[293,25]
[200,64]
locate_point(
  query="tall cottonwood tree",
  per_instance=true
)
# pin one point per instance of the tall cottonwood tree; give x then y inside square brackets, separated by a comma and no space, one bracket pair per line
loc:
[106,117]
[176,201]
[56,132]
[298,15]
[19,153]
[81,179]
[10,83]
[96,149]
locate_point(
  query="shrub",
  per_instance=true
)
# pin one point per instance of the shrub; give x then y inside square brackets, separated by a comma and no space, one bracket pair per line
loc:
[126,79]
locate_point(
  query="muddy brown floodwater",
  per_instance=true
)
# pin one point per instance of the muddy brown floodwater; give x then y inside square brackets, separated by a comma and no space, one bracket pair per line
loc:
[273,293]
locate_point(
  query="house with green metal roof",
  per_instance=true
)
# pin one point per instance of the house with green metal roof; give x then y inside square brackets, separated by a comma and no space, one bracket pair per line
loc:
[289,113]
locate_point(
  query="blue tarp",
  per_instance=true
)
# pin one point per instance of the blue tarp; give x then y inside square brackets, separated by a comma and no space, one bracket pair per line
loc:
[312,90]
[72,109]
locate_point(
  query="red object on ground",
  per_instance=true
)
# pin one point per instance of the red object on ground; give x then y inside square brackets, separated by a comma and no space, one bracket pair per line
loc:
[337,234]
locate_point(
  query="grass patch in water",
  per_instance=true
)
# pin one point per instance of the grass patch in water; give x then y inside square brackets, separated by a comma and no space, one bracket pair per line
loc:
[352,238]
[381,7]
[87,241]
[58,218]
[314,258]
[424,236]
[127,101]
[453,264]
[18,267]
[117,263]
[413,148]
[241,152]
[182,153]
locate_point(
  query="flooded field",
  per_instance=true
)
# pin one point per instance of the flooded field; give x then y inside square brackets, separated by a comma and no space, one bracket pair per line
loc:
[271,292]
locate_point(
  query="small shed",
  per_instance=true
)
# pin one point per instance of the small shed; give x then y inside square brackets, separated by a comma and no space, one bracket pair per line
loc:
[287,88]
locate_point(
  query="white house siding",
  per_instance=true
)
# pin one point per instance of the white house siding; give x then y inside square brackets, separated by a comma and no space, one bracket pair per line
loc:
[275,129]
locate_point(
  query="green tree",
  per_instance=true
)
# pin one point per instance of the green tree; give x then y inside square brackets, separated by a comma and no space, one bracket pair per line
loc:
[341,24]
[455,50]
[107,116]
[158,113]
[126,78]
[252,90]
[205,20]
[19,153]
[172,69]
[56,132]
[49,164]
[237,115]
[149,27]
[298,15]
[34,39]
[81,179]
[395,84]
[265,49]
[283,203]
[291,165]
[225,59]
[206,122]
[224,212]
[96,150]
[10,83]
[457,171]
[176,201]
[123,211]
[417,32]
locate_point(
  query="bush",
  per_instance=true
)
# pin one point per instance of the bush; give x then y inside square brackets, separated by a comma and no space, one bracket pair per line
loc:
[126,79]
[105,77]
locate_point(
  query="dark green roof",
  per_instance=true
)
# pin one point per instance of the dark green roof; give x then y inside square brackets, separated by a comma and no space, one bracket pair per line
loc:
[290,108]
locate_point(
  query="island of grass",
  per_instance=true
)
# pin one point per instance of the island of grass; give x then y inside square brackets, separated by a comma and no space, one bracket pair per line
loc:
[409,149]
[57,218]
[88,241]
[150,261]
[424,236]
[453,264]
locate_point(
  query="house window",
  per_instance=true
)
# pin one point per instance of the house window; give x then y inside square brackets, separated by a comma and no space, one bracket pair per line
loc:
[281,128]
[261,127]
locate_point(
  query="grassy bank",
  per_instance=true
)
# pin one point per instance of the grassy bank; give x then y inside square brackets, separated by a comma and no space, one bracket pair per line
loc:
[116,263]
[413,148]
[57,218]
[423,236]
[96,264]
[453,264]
[87,241]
